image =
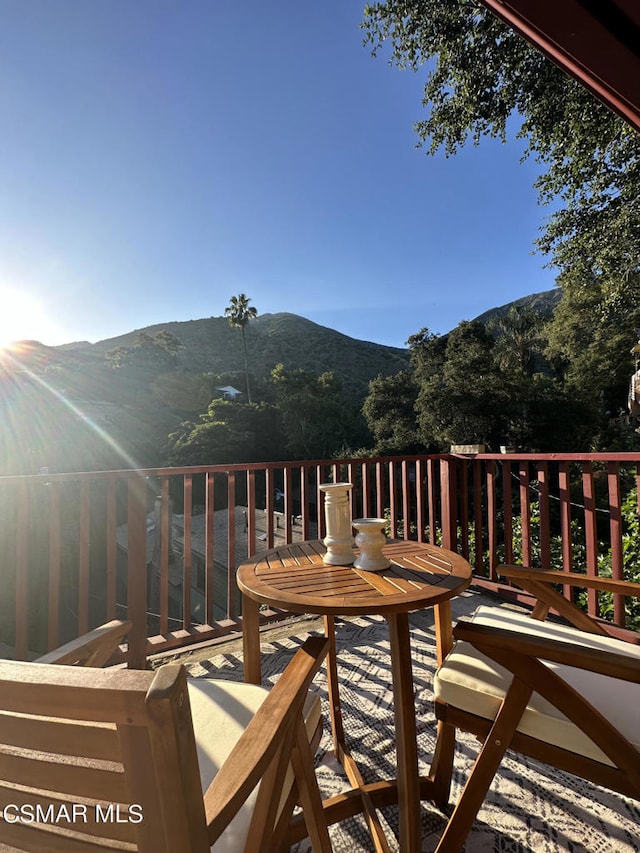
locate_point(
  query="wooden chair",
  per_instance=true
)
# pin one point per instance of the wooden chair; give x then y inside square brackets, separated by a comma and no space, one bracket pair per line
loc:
[90,756]
[564,695]
[92,649]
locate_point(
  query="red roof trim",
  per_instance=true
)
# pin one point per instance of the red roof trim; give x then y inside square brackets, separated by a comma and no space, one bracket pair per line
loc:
[598,43]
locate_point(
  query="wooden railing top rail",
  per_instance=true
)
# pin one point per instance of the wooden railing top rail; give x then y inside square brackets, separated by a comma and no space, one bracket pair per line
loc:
[617,456]
[206,469]
[240,467]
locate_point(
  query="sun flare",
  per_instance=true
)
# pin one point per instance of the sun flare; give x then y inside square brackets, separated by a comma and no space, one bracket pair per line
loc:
[23,317]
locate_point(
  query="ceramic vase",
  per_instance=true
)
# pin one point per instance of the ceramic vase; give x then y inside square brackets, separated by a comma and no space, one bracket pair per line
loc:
[370,539]
[338,541]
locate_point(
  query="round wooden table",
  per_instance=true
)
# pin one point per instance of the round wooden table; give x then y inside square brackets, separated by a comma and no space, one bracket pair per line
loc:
[294,578]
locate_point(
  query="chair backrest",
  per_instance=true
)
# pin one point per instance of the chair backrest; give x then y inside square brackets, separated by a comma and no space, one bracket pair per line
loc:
[93,754]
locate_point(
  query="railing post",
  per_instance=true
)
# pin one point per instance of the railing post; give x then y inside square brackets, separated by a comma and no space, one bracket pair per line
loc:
[492,520]
[137,571]
[406,500]
[54,567]
[615,528]
[231,545]
[187,552]
[543,499]
[507,512]
[448,502]
[590,533]
[22,574]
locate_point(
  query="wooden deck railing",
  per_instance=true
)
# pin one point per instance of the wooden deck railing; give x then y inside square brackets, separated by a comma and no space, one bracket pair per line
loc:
[562,511]
[155,545]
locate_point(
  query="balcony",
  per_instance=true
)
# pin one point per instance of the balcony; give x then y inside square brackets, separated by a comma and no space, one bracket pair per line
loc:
[154,546]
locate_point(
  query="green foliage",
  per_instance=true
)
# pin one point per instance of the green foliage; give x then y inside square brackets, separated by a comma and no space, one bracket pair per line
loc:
[317,420]
[68,410]
[630,555]
[518,335]
[156,351]
[390,413]
[308,418]
[229,432]
[461,398]
[182,392]
[630,562]
[473,386]
[590,338]
[481,79]
[555,543]
[239,311]
[119,357]
[163,340]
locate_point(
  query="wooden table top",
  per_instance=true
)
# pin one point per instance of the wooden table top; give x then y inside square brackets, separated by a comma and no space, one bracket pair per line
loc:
[293,577]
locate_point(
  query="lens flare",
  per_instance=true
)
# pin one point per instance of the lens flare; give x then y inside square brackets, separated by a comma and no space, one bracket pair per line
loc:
[24,316]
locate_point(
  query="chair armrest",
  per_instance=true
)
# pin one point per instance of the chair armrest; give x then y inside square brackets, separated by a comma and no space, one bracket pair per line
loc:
[92,649]
[490,639]
[263,737]
[539,582]
[524,574]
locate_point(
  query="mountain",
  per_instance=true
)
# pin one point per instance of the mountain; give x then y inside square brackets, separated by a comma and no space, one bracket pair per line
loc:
[68,409]
[211,345]
[543,303]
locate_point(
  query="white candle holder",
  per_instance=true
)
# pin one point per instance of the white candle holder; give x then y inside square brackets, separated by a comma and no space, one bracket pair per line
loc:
[338,541]
[370,539]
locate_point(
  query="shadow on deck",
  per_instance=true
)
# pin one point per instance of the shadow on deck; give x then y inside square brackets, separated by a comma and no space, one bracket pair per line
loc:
[530,806]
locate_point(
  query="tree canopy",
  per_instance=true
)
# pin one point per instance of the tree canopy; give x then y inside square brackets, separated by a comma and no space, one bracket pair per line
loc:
[229,432]
[317,419]
[482,79]
[306,417]
[154,351]
[482,384]
[391,414]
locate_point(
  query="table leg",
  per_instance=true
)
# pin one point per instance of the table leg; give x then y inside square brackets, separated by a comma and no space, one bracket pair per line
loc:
[335,710]
[406,737]
[341,749]
[251,640]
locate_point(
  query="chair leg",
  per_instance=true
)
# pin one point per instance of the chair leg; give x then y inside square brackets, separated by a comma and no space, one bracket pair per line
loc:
[472,797]
[442,764]
[487,762]
[308,790]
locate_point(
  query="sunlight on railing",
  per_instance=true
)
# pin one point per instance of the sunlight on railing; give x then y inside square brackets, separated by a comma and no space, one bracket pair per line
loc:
[156,545]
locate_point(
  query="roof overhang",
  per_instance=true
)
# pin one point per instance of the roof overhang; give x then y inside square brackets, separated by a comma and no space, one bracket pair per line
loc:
[596,41]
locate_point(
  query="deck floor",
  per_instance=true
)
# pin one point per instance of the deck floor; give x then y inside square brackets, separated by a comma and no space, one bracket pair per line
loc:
[530,807]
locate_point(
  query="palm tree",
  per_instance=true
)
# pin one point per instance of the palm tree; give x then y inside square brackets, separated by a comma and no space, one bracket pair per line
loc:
[518,337]
[239,313]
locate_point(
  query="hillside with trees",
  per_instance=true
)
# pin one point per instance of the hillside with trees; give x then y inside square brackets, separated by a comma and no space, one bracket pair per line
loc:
[212,345]
[113,404]
[481,79]
[536,374]
[503,383]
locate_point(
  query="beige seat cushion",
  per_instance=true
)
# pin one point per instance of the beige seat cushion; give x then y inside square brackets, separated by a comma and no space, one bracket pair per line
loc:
[472,682]
[221,710]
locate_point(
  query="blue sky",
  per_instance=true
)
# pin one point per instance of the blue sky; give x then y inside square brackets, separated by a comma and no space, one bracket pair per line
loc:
[159,156]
